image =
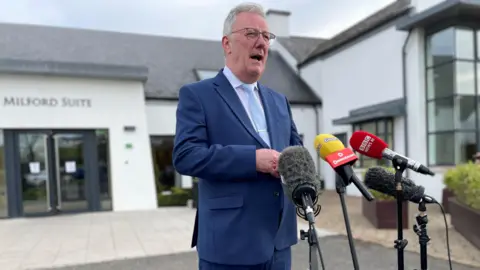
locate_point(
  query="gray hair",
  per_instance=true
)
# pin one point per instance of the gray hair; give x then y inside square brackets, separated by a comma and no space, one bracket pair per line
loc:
[244,7]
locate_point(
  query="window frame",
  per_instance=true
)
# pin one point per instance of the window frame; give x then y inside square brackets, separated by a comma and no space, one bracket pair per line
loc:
[455,24]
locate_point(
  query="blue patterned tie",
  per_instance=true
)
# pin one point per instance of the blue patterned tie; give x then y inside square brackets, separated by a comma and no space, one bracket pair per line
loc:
[256,113]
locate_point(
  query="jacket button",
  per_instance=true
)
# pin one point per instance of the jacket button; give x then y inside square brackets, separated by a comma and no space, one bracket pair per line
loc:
[276,193]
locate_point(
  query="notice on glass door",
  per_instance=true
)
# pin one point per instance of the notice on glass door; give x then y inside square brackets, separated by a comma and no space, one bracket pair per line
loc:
[34,167]
[70,167]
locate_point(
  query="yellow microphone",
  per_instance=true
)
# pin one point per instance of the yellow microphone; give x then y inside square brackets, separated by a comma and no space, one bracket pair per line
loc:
[325,144]
[341,159]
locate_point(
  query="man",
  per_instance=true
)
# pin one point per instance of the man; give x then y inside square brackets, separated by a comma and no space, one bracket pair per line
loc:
[476,158]
[230,130]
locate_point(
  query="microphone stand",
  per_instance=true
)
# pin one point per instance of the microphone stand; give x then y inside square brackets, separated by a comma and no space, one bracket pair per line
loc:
[400,164]
[421,230]
[311,235]
[341,188]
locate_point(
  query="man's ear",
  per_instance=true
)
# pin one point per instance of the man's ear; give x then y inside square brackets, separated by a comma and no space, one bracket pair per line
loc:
[227,45]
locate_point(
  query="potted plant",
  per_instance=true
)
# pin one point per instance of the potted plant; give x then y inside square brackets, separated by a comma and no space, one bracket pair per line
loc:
[465,205]
[382,212]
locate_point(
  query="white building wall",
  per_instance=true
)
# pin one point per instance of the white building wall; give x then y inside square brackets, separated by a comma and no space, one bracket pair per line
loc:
[114,105]
[367,72]
[305,119]
[161,117]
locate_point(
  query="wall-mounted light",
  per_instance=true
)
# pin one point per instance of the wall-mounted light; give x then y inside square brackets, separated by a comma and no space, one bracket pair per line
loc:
[129,128]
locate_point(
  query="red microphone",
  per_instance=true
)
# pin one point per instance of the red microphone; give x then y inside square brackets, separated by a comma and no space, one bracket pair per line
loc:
[371,146]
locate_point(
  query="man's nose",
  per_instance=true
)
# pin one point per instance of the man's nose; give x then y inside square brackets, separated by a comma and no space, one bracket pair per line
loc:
[261,42]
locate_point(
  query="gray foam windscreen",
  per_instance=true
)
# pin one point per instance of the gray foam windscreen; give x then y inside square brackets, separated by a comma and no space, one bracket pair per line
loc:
[296,167]
[377,178]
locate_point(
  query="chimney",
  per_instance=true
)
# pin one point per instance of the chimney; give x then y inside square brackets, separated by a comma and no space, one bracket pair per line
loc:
[278,22]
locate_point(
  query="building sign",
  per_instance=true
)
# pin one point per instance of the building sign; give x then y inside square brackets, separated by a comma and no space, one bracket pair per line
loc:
[64,102]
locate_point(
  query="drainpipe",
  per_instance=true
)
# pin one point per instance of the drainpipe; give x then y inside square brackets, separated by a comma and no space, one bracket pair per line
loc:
[317,131]
[404,82]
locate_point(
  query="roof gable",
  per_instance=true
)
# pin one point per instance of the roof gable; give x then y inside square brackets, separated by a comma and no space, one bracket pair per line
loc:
[374,21]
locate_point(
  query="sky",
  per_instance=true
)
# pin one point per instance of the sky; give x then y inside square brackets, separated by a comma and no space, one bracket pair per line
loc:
[184,18]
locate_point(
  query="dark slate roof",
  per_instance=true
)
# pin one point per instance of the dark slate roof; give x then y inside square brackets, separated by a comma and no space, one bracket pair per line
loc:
[300,47]
[465,10]
[374,21]
[391,108]
[171,61]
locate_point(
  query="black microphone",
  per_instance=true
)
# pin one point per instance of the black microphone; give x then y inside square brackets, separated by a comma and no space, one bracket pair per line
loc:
[299,180]
[377,178]
[301,185]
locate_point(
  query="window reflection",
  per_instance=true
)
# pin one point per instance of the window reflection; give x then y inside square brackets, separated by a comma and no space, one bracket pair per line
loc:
[441,47]
[464,43]
[451,147]
[104,169]
[162,150]
[441,81]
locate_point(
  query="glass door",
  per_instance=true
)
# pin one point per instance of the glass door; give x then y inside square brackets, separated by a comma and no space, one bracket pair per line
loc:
[70,172]
[34,173]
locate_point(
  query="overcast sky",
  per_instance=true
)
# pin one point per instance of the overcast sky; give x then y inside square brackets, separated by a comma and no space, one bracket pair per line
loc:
[184,18]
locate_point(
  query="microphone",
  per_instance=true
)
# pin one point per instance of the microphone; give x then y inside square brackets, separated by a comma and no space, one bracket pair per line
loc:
[372,146]
[379,179]
[332,150]
[341,159]
[300,184]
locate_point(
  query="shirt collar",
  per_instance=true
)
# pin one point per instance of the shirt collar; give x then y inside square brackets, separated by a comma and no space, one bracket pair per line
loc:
[234,81]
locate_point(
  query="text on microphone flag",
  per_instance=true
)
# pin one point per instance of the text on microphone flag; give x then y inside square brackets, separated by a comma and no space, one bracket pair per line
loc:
[341,157]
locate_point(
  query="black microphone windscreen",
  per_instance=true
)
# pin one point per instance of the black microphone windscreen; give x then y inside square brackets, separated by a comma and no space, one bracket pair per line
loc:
[297,170]
[377,178]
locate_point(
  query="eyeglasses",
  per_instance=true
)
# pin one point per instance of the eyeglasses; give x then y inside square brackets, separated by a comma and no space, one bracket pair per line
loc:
[253,34]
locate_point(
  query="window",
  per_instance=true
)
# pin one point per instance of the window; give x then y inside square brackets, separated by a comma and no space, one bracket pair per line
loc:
[104,168]
[3,180]
[452,106]
[162,150]
[383,128]
[205,74]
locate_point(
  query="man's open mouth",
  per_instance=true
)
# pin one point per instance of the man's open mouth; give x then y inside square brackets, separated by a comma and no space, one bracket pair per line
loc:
[257,57]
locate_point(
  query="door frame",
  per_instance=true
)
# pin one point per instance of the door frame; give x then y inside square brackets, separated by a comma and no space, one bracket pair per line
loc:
[14,179]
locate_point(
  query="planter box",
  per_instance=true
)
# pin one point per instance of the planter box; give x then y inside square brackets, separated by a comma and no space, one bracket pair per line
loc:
[446,194]
[465,220]
[383,214]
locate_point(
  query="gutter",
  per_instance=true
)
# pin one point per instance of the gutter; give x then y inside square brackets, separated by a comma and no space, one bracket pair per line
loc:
[404,82]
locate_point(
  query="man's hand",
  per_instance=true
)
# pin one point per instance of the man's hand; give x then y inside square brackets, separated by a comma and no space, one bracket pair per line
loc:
[267,161]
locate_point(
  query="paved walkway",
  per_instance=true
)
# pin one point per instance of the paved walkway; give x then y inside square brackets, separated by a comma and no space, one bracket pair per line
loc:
[145,236]
[87,238]
[334,248]
[331,219]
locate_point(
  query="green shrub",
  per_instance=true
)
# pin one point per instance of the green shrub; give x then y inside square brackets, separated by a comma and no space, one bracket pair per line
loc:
[464,182]
[378,195]
[178,197]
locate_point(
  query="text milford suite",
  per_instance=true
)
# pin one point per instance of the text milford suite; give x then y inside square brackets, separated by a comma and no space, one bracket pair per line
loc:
[46,102]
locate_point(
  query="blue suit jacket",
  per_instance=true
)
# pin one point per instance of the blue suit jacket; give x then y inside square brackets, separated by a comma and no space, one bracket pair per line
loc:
[242,215]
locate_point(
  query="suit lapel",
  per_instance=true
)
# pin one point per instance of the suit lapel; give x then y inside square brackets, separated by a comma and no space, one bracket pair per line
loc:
[228,94]
[270,114]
